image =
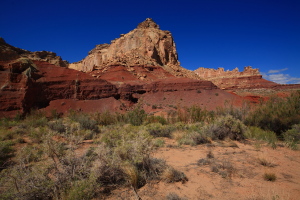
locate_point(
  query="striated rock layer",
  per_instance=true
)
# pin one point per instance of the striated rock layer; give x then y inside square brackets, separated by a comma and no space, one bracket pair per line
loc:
[146,45]
[27,84]
[232,80]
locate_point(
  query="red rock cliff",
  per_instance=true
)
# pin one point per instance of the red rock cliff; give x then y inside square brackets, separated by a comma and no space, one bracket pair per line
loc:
[249,78]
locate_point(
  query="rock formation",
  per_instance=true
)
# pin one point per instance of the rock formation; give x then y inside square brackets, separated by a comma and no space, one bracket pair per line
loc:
[139,67]
[146,45]
[210,74]
[232,80]
[8,52]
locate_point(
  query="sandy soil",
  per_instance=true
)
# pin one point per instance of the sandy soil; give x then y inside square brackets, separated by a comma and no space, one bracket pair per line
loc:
[240,175]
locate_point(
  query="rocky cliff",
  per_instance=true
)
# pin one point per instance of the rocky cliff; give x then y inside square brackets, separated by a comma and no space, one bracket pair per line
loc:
[232,80]
[27,84]
[146,45]
[9,52]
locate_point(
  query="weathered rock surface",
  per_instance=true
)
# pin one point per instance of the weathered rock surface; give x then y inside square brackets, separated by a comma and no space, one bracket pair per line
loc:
[139,67]
[8,52]
[146,45]
[231,80]
[27,84]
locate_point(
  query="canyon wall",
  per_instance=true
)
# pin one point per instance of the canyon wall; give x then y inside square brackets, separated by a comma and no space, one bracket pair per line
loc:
[249,78]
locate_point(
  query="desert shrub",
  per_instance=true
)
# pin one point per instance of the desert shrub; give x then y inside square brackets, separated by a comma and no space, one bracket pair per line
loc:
[155,119]
[204,161]
[106,118]
[30,182]
[277,114]
[69,178]
[37,134]
[265,162]
[158,143]
[6,134]
[260,134]
[29,154]
[36,118]
[159,130]
[136,116]
[85,121]
[191,114]
[236,112]
[270,177]
[55,114]
[224,168]
[171,175]
[192,138]
[174,196]
[292,136]
[57,125]
[6,152]
[82,189]
[197,114]
[225,127]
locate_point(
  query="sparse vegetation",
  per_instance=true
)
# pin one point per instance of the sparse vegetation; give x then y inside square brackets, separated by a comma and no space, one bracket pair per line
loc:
[292,137]
[174,196]
[266,162]
[226,127]
[277,114]
[39,156]
[270,177]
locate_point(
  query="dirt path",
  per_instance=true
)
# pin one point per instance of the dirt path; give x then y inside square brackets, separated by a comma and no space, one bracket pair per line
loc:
[236,171]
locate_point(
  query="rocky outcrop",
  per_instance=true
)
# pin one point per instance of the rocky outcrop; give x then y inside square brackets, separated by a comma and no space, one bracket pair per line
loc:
[231,80]
[8,52]
[27,84]
[210,74]
[146,45]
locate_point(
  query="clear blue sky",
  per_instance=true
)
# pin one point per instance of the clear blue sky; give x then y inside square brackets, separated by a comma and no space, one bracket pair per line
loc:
[264,34]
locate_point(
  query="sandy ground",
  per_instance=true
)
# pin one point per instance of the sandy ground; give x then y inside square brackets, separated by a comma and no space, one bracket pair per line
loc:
[240,172]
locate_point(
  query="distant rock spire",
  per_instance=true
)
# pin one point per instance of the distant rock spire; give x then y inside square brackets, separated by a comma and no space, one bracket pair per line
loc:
[148,23]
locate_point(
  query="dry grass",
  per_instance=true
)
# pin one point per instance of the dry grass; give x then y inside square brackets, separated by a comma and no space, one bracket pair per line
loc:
[266,162]
[171,175]
[268,176]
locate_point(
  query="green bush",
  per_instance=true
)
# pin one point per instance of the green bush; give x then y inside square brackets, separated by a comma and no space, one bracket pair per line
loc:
[193,138]
[136,116]
[159,130]
[260,134]
[155,119]
[6,152]
[292,136]
[85,121]
[106,118]
[36,118]
[30,182]
[225,127]
[277,114]
[57,126]
[82,189]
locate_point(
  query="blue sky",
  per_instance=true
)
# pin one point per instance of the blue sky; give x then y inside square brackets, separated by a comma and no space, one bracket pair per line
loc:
[264,34]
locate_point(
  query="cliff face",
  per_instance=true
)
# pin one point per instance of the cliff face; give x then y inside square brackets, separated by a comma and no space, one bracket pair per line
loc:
[27,84]
[146,45]
[9,52]
[247,79]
